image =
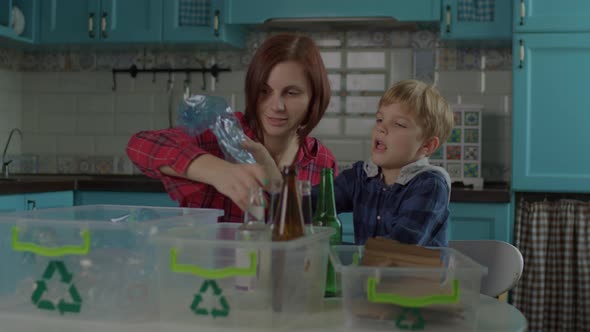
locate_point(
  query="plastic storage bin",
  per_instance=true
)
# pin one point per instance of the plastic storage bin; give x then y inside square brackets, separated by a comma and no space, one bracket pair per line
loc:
[404,298]
[90,262]
[218,276]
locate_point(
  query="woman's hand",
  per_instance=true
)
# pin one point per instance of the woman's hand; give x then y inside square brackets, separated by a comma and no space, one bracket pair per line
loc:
[235,181]
[264,159]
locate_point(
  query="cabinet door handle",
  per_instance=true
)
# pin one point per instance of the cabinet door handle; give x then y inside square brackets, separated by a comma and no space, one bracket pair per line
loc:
[91,25]
[103,25]
[216,23]
[31,204]
[520,53]
[448,19]
[522,12]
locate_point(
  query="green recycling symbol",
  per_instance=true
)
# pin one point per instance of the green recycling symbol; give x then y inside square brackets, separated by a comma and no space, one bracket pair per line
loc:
[66,278]
[215,312]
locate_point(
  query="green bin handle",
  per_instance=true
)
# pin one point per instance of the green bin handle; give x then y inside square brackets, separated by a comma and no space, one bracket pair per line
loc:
[51,252]
[214,273]
[410,302]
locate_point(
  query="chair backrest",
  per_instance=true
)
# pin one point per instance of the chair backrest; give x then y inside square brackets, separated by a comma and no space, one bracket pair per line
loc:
[503,260]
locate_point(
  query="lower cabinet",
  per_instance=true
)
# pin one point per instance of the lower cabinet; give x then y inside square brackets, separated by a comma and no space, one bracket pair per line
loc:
[480,221]
[124,198]
[22,202]
[468,221]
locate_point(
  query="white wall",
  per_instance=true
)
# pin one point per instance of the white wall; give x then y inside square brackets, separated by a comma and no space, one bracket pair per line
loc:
[74,122]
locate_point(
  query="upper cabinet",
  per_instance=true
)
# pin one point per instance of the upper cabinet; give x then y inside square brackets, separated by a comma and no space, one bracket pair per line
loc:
[476,20]
[551,15]
[89,21]
[550,112]
[244,12]
[200,21]
[18,21]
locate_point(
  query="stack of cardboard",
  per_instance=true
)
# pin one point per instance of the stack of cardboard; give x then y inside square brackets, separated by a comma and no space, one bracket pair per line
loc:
[382,252]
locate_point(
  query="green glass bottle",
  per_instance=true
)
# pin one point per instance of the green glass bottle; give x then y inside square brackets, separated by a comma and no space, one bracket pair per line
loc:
[318,215]
[326,216]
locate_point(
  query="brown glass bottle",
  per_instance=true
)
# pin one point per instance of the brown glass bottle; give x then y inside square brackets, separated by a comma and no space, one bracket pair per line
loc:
[288,220]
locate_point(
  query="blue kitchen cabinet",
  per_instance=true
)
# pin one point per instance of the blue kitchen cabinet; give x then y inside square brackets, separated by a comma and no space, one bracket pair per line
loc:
[69,21]
[480,221]
[244,12]
[21,202]
[468,221]
[58,199]
[92,21]
[124,198]
[30,11]
[11,203]
[202,22]
[550,112]
[551,15]
[468,23]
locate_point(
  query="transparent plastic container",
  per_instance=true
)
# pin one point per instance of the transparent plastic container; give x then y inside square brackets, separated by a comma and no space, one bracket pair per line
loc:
[92,263]
[402,298]
[220,276]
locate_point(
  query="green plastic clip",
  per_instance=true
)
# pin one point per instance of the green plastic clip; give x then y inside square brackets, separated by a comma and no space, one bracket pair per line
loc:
[410,302]
[51,252]
[213,273]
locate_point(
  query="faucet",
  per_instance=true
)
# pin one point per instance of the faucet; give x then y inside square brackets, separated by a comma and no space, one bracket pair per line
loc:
[5,162]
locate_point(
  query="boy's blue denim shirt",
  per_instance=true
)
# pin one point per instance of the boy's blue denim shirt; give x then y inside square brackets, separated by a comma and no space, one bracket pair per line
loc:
[415,209]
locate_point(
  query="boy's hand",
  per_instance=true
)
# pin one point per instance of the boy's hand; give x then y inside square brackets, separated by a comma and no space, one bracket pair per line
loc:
[263,158]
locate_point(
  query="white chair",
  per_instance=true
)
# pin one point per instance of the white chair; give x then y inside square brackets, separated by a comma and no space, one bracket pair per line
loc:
[503,260]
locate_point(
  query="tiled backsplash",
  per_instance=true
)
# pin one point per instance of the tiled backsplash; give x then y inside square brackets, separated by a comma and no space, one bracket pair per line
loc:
[73,122]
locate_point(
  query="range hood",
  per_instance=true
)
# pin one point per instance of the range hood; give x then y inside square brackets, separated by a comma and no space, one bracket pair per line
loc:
[305,13]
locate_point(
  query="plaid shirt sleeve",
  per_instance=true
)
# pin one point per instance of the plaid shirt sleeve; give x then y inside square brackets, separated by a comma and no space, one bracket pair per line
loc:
[150,150]
[423,213]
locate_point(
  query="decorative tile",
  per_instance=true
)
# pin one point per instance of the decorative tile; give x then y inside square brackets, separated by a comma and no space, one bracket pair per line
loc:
[457,117]
[122,165]
[446,59]
[471,135]
[23,163]
[103,165]
[400,39]
[453,152]
[438,163]
[335,81]
[85,165]
[366,39]
[328,39]
[454,170]
[455,136]
[47,164]
[471,152]
[471,170]
[424,39]
[67,165]
[438,154]
[471,118]
[469,59]
[496,59]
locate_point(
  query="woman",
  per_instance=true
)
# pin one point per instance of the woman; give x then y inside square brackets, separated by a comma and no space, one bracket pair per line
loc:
[287,93]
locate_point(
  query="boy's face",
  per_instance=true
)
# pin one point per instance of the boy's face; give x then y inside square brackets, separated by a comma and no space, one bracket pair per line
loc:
[397,137]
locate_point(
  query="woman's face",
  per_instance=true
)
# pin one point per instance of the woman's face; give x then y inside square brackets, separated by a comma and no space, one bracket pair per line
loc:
[284,101]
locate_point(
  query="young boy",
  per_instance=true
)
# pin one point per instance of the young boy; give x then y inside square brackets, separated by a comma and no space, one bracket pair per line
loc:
[397,194]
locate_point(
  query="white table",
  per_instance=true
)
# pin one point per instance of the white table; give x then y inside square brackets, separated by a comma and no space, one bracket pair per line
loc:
[494,316]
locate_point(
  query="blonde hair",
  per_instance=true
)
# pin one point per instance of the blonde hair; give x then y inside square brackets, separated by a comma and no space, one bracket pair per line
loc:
[430,109]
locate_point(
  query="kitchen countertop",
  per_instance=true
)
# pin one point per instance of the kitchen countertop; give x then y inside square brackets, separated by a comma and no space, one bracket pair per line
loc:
[19,184]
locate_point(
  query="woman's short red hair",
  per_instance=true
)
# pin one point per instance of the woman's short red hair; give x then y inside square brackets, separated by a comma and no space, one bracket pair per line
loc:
[280,48]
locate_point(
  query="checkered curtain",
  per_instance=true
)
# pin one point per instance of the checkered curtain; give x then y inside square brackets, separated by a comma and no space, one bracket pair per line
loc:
[476,10]
[194,12]
[554,291]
